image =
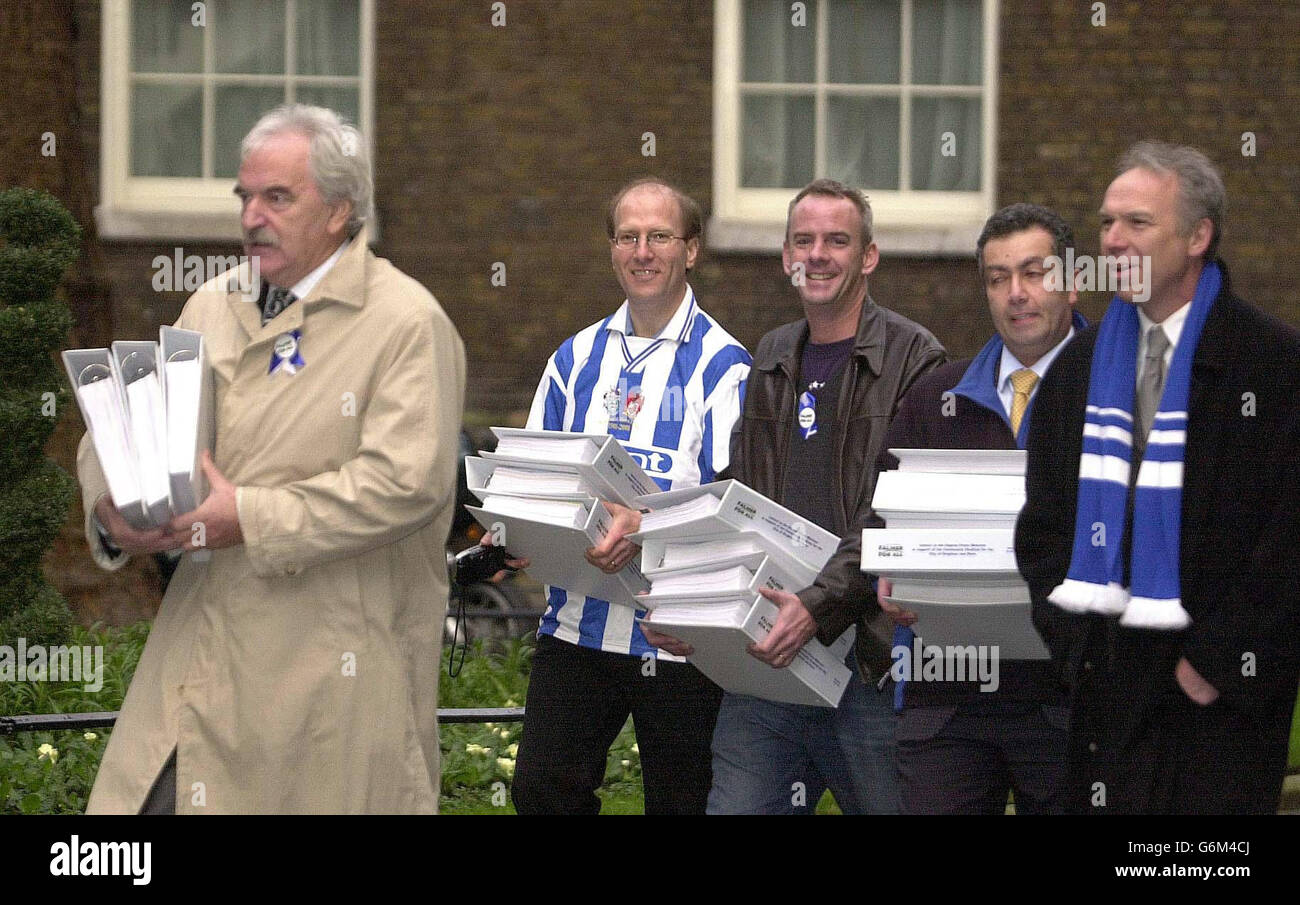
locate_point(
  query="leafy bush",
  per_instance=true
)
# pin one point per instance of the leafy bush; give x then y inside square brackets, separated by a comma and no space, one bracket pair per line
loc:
[60,784]
[38,239]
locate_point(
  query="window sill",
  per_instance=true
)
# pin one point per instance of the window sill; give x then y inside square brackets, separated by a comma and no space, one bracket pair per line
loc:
[126,224]
[955,240]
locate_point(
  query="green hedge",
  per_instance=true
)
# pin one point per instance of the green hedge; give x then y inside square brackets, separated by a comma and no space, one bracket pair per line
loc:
[38,239]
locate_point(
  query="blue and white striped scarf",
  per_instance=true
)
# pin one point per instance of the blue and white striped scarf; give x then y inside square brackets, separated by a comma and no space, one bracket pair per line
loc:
[1095,580]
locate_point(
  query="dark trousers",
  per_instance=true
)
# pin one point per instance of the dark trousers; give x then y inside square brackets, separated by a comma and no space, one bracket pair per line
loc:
[965,758]
[578,701]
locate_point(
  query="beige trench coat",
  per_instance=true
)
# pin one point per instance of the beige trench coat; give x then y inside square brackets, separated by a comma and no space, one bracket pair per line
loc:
[298,672]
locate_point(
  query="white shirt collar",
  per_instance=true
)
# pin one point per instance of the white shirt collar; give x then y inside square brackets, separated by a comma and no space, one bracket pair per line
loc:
[304,286]
[1010,364]
[1172,325]
[677,328]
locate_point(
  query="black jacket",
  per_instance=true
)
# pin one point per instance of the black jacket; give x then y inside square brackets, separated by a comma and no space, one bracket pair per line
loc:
[890,353]
[1240,514]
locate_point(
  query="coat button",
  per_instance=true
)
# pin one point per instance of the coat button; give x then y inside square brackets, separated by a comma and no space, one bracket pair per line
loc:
[1087,665]
[1092,747]
[291,568]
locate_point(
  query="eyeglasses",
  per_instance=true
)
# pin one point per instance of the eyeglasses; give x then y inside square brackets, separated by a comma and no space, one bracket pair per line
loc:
[658,239]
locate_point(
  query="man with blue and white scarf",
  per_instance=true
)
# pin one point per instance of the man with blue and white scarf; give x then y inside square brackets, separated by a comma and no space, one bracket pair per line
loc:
[1162,508]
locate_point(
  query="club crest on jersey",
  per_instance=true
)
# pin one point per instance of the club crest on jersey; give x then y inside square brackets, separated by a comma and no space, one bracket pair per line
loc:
[633,407]
[613,403]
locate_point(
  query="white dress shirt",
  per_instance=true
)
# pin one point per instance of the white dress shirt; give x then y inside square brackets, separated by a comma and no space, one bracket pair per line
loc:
[301,288]
[1173,327]
[1010,364]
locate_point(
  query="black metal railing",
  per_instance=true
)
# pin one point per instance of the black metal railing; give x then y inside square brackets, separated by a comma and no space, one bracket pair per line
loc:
[57,722]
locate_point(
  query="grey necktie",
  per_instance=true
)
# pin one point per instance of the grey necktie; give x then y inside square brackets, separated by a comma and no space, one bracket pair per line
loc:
[277,299]
[1152,383]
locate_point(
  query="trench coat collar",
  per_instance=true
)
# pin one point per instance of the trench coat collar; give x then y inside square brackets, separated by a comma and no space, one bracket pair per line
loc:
[789,341]
[344,283]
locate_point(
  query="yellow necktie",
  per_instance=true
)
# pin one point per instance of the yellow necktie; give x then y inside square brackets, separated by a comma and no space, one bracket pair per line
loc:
[1022,384]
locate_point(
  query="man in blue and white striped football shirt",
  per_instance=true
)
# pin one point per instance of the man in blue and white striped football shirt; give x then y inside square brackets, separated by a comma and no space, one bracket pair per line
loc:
[666,380]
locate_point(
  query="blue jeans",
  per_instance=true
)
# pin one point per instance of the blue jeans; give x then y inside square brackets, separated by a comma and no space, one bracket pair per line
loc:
[772,758]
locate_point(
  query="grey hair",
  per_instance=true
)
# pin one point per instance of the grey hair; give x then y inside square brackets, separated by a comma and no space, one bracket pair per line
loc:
[340,163]
[1200,187]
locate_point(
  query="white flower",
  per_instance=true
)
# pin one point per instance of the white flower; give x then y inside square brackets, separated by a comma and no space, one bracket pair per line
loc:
[636,749]
[507,765]
[625,763]
[90,736]
[513,749]
[472,748]
[48,751]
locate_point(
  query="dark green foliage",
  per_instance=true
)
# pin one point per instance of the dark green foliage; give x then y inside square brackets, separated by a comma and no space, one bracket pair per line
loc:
[27,334]
[38,239]
[41,240]
[32,510]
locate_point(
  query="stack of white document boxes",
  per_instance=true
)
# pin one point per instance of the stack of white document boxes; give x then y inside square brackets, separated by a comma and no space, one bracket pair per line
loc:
[948,547]
[148,408]
[706,552]
[542,493]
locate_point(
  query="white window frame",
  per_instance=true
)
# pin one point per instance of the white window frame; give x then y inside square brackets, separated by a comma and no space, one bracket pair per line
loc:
[907,222]
[134,208]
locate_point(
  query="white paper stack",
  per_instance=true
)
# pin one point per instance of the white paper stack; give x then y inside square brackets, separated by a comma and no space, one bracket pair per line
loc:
[672,555]
[707,552]
[187,394]
[603,464]
[103,408]
[135,366]
[720,579]
[147,446]
[939,552]
[724,509]
[721,634]
[949,547]
[918,499]
[542,493]
[962,461]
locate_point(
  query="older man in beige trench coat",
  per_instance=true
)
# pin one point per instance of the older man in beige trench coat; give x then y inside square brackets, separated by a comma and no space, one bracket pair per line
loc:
[293,665]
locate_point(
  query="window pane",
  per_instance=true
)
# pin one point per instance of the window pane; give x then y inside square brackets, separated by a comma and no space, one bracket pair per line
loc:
[862,133]
[238,107]
[933,168]
[163,38]
[166,130]
[778,141]
[329,37]
[864,41]
[342,101]
[775,49]
[947,42]
[248,35]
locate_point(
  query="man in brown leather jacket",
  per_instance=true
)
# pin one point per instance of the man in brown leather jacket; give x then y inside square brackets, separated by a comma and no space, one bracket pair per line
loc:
[817,405]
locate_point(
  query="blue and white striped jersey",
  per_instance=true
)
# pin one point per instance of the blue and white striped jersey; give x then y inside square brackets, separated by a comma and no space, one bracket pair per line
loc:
[605,380]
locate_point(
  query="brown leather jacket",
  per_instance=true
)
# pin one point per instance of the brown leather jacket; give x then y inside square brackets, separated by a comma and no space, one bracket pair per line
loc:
[891,352]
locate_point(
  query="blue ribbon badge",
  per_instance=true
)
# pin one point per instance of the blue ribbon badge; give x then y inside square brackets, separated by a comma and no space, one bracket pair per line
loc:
[287,352]
[807,414]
